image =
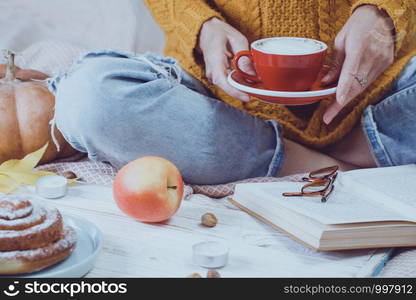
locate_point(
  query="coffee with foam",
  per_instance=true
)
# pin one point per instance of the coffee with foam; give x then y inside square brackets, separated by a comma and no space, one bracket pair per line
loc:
[289,46]
[284,63]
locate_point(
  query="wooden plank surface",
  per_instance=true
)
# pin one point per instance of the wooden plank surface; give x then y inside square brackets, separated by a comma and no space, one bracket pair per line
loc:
[135,249]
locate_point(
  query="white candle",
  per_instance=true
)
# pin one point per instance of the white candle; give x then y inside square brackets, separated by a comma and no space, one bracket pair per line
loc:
[210,254]
[53,186]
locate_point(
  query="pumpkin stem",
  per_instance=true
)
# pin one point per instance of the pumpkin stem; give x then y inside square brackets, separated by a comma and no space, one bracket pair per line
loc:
[10,71]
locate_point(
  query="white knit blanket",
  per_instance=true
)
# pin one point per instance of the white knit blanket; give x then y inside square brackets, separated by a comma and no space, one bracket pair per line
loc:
[49,34]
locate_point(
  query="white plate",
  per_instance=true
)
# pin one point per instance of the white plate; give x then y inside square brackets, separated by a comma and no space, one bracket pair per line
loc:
[264,92]
[82,259]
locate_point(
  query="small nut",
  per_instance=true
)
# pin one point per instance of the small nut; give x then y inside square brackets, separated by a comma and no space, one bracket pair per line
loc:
[194,275]
[69,175]
[213,274]
[209,220]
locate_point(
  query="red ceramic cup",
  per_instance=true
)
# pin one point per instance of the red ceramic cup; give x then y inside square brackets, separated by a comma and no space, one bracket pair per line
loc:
[284,63]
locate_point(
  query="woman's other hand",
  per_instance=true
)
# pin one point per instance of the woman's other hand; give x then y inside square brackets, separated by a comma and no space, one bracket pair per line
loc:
[219,42]
[364,49]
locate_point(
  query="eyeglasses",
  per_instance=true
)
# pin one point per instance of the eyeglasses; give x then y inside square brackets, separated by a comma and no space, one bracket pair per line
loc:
[320,183]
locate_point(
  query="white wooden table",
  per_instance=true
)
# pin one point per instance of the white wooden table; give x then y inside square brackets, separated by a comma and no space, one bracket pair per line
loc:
[135,249]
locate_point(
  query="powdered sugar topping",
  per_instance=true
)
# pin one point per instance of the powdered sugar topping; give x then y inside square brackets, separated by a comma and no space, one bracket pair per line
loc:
[14,207]
[37,216]
[52,216]
[67,241]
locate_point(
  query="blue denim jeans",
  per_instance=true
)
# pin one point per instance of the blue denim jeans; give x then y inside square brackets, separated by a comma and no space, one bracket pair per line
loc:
[390,125]
[117,107]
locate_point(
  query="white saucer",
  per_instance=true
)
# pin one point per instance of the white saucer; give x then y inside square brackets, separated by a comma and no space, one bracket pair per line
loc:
[281,97]
[82,259]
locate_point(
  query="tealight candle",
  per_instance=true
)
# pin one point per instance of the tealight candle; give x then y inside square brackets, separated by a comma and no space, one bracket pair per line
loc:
[210,254]
[53,186]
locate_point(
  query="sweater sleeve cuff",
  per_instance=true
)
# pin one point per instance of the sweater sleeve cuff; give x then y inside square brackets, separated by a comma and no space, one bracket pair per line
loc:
[191,21]
[398,11]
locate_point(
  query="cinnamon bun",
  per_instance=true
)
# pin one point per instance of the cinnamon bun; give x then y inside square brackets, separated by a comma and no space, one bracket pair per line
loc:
[31,237]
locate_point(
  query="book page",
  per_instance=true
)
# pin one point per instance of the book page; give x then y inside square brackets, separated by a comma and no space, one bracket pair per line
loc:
[394,187]
[344,205]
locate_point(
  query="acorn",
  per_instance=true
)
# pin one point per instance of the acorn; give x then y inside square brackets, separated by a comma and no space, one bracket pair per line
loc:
[209,220]
[69,175]
[213,274]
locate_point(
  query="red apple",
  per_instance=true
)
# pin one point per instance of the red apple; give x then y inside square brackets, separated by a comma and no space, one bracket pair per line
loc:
[149,189]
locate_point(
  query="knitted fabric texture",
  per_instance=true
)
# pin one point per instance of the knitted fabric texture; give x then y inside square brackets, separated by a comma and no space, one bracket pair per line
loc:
[319,19]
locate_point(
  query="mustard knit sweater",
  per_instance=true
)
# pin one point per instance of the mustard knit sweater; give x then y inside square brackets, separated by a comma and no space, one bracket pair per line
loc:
[318,19]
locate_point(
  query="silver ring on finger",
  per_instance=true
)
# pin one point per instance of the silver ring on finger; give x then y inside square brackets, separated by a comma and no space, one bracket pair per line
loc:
[361,79]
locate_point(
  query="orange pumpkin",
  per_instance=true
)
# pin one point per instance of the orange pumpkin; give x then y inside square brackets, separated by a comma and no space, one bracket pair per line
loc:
[26,107]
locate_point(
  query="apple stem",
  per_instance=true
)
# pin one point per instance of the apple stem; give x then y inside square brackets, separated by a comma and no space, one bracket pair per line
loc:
[172,187]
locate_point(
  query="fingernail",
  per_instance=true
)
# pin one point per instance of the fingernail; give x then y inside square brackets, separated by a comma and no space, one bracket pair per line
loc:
[342,99]
[325,78]
[245,98]
[327,119]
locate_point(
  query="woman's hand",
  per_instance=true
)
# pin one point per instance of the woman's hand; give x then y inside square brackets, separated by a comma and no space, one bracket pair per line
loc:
[219,42]
[364,49]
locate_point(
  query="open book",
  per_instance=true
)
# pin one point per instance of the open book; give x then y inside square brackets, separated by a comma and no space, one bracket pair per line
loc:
[368,208]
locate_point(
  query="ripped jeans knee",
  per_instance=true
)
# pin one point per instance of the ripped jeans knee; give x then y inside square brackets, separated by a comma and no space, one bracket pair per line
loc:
[118,107]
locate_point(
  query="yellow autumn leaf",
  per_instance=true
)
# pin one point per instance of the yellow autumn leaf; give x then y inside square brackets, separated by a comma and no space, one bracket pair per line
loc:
[26,177]
[7,184]
[16,172]
[27,163]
